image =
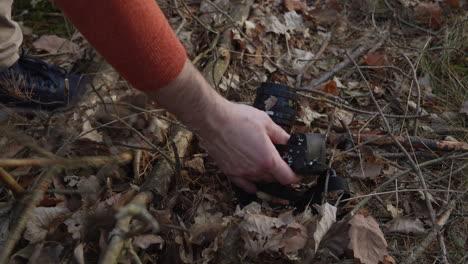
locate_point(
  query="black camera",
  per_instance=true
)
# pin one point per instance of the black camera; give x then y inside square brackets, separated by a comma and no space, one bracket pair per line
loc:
[304,153]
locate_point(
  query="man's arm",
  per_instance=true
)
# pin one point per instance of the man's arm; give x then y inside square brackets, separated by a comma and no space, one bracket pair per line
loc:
[240,138]
[134,37]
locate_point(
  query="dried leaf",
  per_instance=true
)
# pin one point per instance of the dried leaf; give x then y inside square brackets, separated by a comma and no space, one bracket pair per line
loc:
[307,115]
[377,59]
[273,24]
[336,239]
[55,44]
[43,221]
[144,241]
[393,210]
[407,225]
[263,233]
[293,21]
[367,240]
[328,218]
[366,170]
[331,88]
[90,188]
[343,115]
[301,58]
[78,254]
[196,165]
[294,5]
[429,14]
[208,224]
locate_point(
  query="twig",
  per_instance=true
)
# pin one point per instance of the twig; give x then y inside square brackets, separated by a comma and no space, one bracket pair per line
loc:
[111,254]
[400,191]
[416,253]
[415,167]
[349,108]
[422,154]
[81,162]
[406,22]
[387,67]
[182,16]
[25,140]
[11,183]
[235,24]
[357,53]
[29,204]
[435,145]
[318,92]
[384,185]
[136,164]
[310,63]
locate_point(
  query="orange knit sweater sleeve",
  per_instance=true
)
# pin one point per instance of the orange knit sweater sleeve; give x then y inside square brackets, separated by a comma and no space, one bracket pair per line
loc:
[132,35]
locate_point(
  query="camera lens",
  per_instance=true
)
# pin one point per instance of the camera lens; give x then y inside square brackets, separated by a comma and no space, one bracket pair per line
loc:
[279,102]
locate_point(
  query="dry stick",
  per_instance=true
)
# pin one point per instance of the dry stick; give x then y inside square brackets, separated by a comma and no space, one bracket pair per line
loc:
[11,183]
[431,144]
[37,192]
[342,106]
[430,237]
[410,159]
[384,185]
[310,63]
[116,243]
[236,25]
[81,162]
[15,232]
[422,154]
[357,53]
[25,140]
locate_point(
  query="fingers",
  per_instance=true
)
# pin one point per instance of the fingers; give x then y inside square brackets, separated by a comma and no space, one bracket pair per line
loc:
[282,172]
[277,134]
[244,184]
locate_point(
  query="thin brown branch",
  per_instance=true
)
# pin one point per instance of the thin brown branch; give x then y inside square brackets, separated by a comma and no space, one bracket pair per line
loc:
[112,252]
[315,58]
[417,142]
[28,203]
[346,107]
[11,183]
[81,162]
[416,253]
[414,166]
[356,53]
[385,184]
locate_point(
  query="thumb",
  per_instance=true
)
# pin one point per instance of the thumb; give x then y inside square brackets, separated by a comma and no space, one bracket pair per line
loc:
[277,134]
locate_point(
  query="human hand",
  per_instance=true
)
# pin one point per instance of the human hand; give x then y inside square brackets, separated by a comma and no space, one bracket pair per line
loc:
[242,146]
[240,138]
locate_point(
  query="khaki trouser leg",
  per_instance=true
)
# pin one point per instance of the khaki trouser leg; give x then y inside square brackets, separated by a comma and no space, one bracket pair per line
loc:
[11,36]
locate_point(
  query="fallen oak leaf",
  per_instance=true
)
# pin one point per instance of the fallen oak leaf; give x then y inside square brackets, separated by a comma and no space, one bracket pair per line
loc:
[294,5]
[366,240]
[43,221]
[377,59]
[407,225]
[429,14]
[328,218]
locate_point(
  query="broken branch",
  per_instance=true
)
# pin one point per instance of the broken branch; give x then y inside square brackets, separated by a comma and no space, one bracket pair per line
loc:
[81,162]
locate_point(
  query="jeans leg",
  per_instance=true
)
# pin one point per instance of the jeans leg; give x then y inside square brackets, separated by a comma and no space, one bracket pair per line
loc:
[11,36]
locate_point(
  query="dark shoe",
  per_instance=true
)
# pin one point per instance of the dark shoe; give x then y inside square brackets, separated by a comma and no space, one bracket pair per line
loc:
[33,83]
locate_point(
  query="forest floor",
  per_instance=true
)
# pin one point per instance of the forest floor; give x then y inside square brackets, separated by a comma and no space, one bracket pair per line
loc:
[118,179]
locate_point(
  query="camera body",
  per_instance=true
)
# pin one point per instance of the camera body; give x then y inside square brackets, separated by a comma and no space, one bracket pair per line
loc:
[304,153]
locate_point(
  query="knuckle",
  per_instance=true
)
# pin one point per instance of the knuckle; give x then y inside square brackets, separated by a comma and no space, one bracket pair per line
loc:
[267,163]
